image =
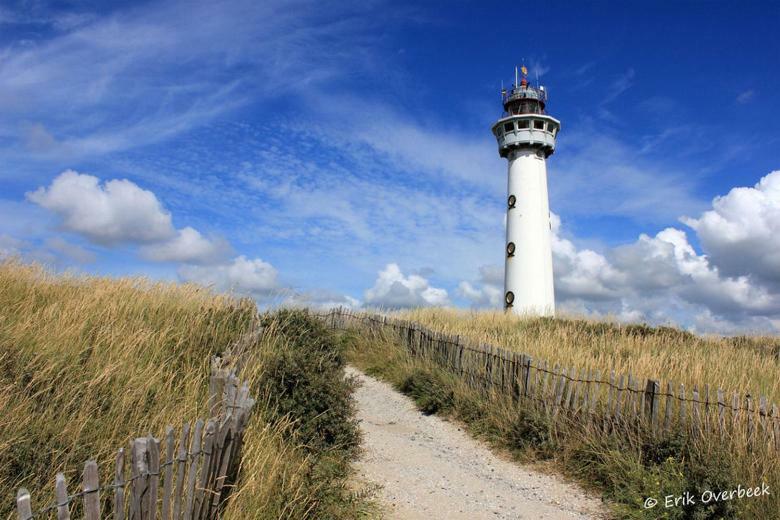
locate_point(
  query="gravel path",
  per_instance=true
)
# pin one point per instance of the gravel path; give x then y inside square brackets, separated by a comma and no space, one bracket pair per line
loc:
[429,468]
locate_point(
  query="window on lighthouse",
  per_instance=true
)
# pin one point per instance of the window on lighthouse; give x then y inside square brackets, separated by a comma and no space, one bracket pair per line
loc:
[508,127]
[539,125]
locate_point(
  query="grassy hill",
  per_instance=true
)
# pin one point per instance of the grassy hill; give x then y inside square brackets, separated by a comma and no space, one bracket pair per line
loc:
[88,363]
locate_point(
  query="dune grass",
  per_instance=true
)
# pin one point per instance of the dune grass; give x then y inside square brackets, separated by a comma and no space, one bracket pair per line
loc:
[87,363]
[742,364]
[616,459]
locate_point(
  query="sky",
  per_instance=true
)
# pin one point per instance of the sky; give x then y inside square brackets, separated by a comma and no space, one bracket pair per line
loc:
[316,153]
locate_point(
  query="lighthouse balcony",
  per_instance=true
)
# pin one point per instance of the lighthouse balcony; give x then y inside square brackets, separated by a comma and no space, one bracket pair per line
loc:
[526,131]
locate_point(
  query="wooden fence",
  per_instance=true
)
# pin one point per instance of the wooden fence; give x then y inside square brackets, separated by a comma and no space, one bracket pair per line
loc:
[186,481]
[603,398]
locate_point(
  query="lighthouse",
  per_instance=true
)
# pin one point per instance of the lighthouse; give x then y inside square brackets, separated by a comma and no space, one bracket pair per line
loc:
[526,138]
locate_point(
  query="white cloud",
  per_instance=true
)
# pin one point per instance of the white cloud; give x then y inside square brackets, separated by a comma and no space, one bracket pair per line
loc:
[120,212]
[109,213]
[188,246]
[740,233]
[244,276]
[394,290]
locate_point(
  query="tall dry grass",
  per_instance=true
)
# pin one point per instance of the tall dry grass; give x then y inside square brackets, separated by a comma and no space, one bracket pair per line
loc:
[87,363]
[743,364]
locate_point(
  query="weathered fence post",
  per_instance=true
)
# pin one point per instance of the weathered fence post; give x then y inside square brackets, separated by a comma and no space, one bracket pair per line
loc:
[168,479]
[139,476]
[181,461]
[61,496]
[91,491]
[669,407]
[192,475]
[23,506]
[721,412]
[652,390]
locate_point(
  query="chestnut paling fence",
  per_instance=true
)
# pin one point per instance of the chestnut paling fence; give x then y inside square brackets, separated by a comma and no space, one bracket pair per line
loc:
[604,398]
[185,480]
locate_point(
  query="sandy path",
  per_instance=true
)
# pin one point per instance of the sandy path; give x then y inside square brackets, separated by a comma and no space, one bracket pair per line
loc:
[430,469]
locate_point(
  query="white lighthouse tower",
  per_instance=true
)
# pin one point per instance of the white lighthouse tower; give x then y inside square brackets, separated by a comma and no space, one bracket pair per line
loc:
[526,137]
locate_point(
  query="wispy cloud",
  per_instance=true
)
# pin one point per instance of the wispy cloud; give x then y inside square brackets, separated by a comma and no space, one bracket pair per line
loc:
[746,96]
[147,73]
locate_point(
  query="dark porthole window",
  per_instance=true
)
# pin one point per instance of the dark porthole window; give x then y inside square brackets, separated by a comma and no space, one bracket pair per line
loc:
[508,127]
[509,298]
[511,201]
[510,249]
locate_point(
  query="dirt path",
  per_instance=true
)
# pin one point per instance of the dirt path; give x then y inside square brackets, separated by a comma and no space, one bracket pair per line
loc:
[430,469]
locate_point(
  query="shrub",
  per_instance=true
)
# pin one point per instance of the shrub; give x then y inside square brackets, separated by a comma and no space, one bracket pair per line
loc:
[305,382]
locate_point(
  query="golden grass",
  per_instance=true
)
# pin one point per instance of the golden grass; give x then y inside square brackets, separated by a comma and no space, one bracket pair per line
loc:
[88,363]
[747,365]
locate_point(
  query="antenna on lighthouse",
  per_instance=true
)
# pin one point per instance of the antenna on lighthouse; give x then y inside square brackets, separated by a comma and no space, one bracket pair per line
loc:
[517,80]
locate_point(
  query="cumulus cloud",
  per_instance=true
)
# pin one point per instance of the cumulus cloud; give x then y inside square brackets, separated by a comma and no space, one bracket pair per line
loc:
[393,289]
[244,276]
[109,213]
[740,233]
[188,246]
[117,212]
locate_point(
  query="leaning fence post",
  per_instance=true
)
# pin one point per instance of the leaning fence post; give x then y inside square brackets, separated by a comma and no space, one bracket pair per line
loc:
[23,507]
[61,495]
[91,491]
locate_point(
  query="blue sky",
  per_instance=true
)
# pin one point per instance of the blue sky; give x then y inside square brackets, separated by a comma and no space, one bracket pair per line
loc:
[316,153]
